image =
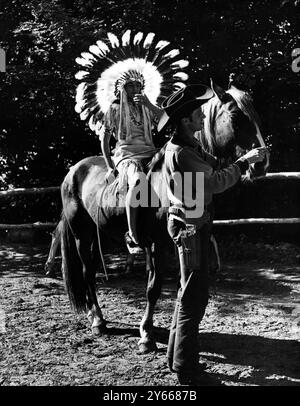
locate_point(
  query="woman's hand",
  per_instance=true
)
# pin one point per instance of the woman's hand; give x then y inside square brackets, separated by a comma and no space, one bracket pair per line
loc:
[141,99]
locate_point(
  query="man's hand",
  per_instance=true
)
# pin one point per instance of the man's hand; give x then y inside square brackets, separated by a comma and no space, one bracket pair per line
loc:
[256,155]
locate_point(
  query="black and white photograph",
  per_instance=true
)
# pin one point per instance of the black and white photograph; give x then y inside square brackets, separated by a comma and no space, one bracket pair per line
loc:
[149,196]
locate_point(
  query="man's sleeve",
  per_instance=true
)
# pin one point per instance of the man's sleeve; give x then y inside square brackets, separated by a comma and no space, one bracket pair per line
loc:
[215,181]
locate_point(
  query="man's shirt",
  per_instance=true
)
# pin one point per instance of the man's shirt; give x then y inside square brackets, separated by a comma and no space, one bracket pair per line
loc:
[189,157]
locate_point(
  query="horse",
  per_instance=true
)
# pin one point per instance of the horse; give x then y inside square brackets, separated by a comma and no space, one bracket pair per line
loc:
[87,215]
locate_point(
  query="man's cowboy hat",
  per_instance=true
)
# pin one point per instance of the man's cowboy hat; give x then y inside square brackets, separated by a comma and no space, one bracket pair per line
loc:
[182,102]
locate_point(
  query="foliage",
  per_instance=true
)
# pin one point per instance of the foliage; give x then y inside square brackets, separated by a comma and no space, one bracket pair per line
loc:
[40,133]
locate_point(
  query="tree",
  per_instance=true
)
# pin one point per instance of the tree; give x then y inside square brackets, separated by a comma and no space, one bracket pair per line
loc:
[40,133]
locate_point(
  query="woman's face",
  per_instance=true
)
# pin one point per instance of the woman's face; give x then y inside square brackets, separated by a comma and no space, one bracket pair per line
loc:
[132,88]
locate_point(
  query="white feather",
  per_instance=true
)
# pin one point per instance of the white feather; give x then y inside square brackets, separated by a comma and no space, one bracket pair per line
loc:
[149,39]
[181,76]
[84,104]
[179,85]
[88,56]
[180,64]
[80,61]
[162,44]
[78,108]
[80,91]
[126,38]
[137,38]
[102,46]
[81,75]
[84,115]
[95,50]
[113,40]
[84,62]
[172,53]
[81,105]
[91,123]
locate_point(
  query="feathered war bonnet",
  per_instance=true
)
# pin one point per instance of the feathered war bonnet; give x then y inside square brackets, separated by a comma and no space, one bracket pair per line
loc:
[112,62]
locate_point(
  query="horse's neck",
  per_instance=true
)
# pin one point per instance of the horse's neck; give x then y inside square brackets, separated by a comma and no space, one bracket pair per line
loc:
[206,137]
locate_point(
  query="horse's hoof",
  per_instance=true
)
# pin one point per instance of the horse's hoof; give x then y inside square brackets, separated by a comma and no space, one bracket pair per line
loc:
[145,348]
[98,330]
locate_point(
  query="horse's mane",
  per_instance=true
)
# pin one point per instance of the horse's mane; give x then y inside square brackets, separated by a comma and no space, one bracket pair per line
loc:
[206,137]
[244,102]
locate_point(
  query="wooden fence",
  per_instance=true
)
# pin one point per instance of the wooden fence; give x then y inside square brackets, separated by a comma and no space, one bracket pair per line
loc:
[45,226]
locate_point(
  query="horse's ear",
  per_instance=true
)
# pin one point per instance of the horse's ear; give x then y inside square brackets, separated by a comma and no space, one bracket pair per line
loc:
[218,91]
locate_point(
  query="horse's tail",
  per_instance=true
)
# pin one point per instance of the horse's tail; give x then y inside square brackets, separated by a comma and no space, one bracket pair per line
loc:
[72,268]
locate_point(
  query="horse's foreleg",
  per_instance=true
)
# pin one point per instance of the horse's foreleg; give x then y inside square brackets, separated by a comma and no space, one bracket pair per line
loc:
[147,342]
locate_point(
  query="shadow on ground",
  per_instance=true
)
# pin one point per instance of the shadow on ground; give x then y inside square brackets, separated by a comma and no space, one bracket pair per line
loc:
[272,360]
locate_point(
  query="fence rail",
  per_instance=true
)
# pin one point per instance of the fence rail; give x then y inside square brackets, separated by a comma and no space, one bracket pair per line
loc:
[20,191]
[280,176]
[28,226]
[30,191]
[231,222]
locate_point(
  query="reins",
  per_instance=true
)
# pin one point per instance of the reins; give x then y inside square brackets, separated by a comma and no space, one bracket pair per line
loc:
[98,236]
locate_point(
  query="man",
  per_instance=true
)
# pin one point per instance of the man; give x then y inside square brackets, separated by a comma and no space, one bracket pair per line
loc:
[184,155]
[130,120]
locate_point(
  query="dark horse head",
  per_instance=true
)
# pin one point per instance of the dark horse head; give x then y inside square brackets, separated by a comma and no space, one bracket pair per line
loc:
[232,127]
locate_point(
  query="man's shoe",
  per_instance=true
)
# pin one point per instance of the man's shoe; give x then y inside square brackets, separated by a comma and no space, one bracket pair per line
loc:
[198,379]
[132,247]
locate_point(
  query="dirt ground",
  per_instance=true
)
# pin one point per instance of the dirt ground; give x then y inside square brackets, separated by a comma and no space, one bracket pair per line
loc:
[250,335]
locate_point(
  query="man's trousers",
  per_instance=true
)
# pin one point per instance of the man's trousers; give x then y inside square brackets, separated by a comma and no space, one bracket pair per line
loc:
[192,298]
